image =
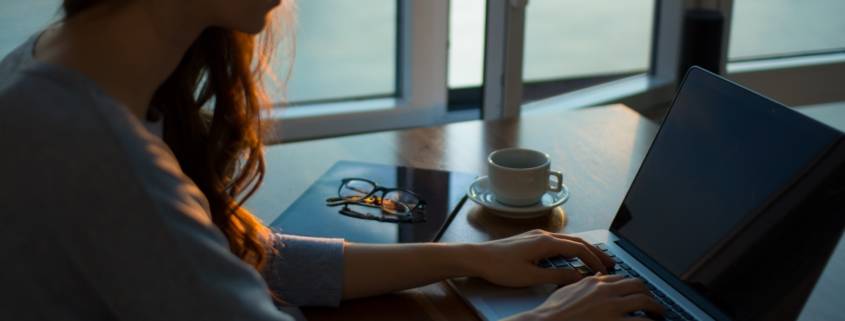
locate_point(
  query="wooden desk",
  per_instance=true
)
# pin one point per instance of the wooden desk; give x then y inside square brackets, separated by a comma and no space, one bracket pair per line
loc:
[598,149]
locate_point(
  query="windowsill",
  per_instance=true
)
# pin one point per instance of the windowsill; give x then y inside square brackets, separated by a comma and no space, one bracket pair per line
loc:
[606,93]
[324,120]
[333,108]
[784,62]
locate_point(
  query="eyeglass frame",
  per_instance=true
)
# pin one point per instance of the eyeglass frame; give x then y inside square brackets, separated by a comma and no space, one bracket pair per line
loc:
[410,217]
[413,215]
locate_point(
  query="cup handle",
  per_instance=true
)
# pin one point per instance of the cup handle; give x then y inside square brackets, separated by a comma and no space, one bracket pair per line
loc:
[557,187]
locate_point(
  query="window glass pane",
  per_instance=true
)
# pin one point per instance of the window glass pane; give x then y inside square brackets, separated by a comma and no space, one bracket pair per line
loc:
[21,19]
[765,28]
[574,39]
[466,42]
[344,49]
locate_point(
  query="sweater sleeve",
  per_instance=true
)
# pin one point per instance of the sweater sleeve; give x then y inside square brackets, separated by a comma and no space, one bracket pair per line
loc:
[306,271]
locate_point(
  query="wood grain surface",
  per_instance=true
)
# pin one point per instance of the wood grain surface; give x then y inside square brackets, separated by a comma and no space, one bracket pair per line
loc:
[598,149]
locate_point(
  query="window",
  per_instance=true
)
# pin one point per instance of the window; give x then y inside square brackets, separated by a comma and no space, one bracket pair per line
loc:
[344,49]
[791,51]
[466,43]
[380,65]
[336,40]
[776,28]
[568,44]
[359,66]
[575,39]
[466,53]
[399,63]
[21,19]
[574,44]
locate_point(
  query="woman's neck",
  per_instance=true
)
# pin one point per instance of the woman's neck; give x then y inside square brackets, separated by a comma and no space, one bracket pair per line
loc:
[128,50]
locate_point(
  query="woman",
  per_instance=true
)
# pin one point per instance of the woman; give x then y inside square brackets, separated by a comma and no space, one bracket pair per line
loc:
[120,210]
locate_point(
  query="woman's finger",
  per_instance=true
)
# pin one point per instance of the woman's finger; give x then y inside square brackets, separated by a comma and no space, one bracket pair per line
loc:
[568,248]
[608,262]
[609,278]
[627,286]
[558,276]
[639,302]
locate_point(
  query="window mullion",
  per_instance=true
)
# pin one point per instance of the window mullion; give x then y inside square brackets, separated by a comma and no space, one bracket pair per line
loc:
[666,42]
[503,54]
[424,54]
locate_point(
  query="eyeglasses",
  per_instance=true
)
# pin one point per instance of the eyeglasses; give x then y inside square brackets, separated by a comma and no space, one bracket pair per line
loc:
[396,205]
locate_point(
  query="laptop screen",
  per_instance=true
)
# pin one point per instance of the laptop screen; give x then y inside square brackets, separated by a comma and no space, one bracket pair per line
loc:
[717,200]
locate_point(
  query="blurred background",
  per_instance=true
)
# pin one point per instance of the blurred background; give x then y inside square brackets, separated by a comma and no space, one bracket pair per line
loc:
[350,51]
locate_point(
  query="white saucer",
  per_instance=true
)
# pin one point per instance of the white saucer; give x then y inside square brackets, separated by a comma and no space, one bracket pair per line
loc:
[480,193]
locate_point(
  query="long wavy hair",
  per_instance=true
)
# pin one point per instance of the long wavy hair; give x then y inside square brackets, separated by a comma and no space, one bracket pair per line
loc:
[212,106]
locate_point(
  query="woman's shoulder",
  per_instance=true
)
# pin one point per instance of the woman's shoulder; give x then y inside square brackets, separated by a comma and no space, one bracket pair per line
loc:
[78,138]
[26,93]
[29,87]
[61,105]
[42,99]
[52,115]
[21,74]
[33,93]
[42,113]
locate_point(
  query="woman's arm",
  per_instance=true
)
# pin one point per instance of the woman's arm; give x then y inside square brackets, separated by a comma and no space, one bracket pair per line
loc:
[372,269]
[377,269]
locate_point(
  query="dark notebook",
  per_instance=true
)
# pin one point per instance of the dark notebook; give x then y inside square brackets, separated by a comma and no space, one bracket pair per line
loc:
[443,192]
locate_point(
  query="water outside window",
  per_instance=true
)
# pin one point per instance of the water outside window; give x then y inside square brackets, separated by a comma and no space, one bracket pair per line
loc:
[767,28]
[563,39]
[344,49]
[572,38]
[466,42]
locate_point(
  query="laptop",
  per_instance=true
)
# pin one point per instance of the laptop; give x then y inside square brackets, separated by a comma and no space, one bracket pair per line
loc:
[732,215]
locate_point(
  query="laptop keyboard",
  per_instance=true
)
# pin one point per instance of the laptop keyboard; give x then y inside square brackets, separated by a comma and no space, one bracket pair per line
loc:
[673,311]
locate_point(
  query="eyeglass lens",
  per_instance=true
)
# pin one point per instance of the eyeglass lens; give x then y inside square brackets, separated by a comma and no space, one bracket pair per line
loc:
[394,202]
[355,190]
[399,202]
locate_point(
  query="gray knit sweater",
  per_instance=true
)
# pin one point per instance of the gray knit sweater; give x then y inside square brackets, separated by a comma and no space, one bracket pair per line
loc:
[98,222]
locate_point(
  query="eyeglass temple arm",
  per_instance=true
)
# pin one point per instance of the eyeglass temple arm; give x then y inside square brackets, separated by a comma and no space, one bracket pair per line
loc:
[335,201]
[381,218]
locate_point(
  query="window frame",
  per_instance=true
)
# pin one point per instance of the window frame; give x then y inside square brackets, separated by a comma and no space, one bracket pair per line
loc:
[793,80]
[643,91]
[421,99]
[422,79]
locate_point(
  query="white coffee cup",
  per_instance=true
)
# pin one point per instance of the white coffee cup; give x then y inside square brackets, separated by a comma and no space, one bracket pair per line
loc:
[520,177]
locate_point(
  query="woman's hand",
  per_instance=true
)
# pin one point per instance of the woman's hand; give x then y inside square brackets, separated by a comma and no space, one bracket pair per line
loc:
[372,269]
[513,261]
[598,298]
